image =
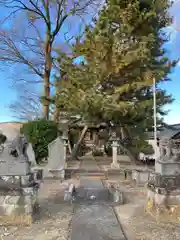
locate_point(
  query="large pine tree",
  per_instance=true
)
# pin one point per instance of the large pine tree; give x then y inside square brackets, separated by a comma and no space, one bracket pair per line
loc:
[122,51]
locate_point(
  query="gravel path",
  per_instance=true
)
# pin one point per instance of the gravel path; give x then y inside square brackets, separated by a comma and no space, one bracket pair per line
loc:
[52,222]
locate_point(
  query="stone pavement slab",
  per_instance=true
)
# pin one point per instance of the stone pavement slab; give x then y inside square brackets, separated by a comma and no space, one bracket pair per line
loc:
[90,183]
[95,222]
[92,190]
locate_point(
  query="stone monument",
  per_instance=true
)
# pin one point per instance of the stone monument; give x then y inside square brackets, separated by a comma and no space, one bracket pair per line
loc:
[31,155]
[18,187]
[163,188]
[19,145]
[56,159]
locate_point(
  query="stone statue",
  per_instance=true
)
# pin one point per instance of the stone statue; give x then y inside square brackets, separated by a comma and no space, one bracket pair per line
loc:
[176,150]
[169,150]
[19,146]
[161,149]
[165,150]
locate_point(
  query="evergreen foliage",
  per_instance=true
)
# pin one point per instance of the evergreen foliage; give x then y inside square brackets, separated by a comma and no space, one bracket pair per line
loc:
[122,51]
[40,133]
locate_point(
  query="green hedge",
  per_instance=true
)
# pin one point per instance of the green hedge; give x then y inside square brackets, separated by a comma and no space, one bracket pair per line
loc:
[40,133]
[3,138]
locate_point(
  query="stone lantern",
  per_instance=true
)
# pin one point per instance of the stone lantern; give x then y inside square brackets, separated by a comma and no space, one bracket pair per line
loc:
[65,141]
[114,139]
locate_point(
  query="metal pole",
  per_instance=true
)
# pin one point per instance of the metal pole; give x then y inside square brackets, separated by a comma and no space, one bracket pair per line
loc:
[155,114]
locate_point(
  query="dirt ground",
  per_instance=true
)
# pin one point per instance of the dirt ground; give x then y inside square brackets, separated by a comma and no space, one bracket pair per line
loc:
[136,223]
[52,222]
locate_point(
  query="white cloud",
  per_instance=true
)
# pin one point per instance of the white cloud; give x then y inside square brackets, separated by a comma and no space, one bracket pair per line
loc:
[175,9]
[172,32]
[178,64]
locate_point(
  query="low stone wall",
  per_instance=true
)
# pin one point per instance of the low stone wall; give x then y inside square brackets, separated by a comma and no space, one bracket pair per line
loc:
[164,206]
[17,205]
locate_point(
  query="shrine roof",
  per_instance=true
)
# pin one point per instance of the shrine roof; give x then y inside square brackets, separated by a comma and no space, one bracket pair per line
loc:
[172,131]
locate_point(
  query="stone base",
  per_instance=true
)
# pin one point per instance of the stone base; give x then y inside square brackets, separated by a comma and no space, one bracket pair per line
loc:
[17,206]
[140,177]
[115,165]
[167,168]
[159,181]
[21,181]
[125,159]
[14,166]
[163,206]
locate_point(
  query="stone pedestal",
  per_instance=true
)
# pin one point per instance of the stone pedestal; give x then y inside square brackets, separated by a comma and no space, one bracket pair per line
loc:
[18,200]
[163,197]
[167,168]
[115,165]
[163,188]
[18,188]
[18,193]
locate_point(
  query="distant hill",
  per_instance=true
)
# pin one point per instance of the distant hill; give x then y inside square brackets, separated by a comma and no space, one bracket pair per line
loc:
[10,129]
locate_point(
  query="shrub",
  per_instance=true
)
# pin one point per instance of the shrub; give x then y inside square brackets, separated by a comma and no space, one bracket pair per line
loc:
[40,133]
[3,138]
[108,149]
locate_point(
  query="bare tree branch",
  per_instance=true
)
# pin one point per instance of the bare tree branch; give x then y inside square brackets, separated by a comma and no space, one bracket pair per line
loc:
[10,53]
[27,105]
[44,22]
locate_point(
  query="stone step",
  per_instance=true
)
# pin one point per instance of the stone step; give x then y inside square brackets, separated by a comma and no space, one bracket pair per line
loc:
[92,194]
[91,173]
[82,170]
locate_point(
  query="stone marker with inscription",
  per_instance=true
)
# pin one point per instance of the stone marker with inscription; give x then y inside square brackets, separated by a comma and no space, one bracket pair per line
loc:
[56,159]
[31,155]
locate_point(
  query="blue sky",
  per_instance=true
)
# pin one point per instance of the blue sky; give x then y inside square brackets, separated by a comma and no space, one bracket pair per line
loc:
[7,94]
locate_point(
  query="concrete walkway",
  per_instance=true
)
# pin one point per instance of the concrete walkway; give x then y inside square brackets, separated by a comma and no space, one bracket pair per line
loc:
[94,220]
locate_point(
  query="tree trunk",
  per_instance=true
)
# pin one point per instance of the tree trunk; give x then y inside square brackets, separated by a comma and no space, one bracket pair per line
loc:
[96,139]
[123,135]
[56,114]
[76,147]
[47,74]
[45,107]
[129,153]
